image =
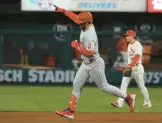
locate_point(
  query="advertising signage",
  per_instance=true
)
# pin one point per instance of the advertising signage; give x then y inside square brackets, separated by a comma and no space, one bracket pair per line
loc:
[85,5]
[154,6]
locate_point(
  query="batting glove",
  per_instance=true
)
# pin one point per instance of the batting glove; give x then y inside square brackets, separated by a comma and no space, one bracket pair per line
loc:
[75,44]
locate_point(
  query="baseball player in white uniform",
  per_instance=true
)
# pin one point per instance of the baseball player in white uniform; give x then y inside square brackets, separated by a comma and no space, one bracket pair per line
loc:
[92,66]
[134,70]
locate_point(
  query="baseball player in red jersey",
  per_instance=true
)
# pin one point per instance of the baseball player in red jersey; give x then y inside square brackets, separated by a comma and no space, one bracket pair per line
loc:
[122,57]
[92,65]
[134,70]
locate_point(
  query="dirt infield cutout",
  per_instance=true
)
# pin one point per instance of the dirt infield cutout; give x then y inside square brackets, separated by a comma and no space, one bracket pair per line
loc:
[51,117]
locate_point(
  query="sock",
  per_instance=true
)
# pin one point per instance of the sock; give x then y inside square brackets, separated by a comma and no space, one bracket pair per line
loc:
[72,103]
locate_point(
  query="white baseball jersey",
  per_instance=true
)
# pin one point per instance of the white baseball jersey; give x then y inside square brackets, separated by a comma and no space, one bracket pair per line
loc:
[94,69]
[137,73]
[133,49]
[89,41]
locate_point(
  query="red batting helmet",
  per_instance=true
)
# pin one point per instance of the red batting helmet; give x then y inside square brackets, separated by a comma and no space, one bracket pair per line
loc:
[85,17]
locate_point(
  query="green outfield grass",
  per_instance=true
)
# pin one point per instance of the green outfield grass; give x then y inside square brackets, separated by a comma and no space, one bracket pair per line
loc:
[51,98]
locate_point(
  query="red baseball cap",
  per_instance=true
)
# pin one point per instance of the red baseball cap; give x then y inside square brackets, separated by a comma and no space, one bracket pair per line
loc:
[130,33]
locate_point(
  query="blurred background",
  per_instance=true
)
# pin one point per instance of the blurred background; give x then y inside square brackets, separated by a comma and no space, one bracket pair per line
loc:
[35,40]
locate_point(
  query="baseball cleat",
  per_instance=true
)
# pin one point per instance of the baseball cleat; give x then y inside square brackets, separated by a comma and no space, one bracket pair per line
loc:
[65,113]
[147,105]
[131,101]
[116,104]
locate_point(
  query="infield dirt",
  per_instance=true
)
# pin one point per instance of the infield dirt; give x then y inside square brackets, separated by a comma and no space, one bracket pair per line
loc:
[51,117]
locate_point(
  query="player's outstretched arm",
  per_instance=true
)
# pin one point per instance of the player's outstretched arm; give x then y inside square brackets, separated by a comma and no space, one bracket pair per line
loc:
[70,14]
